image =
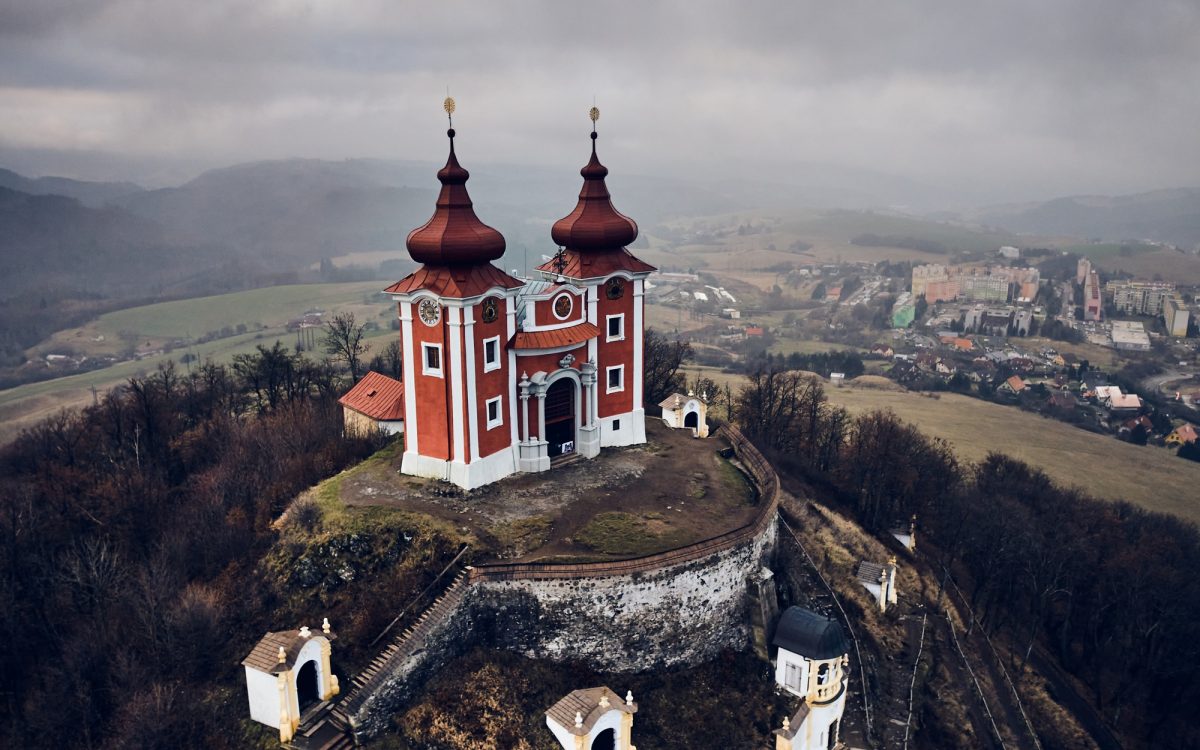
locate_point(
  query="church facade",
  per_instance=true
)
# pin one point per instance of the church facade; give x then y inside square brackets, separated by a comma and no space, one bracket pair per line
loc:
[503,375]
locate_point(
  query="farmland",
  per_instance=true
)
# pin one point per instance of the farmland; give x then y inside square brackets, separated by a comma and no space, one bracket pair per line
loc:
[264,312]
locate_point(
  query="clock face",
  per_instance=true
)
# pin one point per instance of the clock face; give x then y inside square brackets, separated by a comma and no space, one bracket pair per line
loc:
[429,311]
[489,310]
[614,288]
[562,305]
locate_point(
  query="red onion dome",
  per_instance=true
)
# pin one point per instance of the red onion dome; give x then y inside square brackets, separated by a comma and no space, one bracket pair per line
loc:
[454,235]
[595,224]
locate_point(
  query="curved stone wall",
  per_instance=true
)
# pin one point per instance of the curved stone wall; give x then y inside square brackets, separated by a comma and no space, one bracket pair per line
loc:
[677,607]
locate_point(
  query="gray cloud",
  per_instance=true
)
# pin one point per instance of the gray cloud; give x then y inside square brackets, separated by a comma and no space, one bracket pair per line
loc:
[1006,99]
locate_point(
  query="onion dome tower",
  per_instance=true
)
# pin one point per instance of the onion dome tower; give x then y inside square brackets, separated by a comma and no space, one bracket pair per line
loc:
[595,234]
[593,261]
[457,313]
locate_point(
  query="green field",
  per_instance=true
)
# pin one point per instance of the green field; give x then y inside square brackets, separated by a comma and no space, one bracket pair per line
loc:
[1101,465]
[271,307]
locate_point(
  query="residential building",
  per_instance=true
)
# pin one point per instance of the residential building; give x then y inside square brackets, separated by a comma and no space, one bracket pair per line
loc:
[985,283]
[1082,269]
[1139,297]
[1176,316]
[1093,304]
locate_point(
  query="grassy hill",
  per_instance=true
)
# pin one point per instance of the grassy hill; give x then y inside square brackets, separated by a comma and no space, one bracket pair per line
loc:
[1103,466]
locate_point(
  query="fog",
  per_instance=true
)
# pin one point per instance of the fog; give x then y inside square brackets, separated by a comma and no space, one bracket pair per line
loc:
[999,101]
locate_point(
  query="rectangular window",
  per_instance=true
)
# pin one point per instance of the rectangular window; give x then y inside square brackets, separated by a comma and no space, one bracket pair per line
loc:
[616,378]
[616,424]
[791,676]
[616,327]
[431,361]
[495,412]
[491,354]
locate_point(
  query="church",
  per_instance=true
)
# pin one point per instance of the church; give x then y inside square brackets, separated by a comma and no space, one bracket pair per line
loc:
[503,375]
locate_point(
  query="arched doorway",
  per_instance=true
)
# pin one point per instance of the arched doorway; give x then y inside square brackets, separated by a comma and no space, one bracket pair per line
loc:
[560,417]
[307,690]
[692,419]
[606,740]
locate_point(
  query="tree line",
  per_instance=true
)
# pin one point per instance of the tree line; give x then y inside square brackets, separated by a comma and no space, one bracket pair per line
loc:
[1107,589]
[129,537]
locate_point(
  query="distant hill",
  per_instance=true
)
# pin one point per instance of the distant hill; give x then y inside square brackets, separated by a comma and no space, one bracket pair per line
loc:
[1162,215]
[51,241]
[92,194]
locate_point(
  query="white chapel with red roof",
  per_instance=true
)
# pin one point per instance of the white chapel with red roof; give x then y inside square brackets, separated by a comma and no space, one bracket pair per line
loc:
[503,375]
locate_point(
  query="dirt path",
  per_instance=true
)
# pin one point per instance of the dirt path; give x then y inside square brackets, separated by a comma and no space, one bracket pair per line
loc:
[672,491]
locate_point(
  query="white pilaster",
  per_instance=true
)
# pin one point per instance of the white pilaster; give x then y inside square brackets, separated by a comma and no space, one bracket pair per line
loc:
[636,375]
[409,349]
[472,396]
[510,306]
[455,373]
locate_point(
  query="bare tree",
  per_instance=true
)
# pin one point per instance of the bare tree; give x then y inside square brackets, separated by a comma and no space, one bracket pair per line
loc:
[343,341]
[663,357]
[390,361]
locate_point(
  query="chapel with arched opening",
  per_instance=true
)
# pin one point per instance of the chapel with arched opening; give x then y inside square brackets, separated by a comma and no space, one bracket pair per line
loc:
[810,664]
[503,375]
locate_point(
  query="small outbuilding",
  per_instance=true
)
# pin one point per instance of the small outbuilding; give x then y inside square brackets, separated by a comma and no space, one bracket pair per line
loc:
[593,719]
[686,412]
[880,580]
[375,404]
[286,673]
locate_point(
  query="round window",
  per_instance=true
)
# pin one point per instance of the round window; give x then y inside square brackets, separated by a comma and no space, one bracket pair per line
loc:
[489,310]
[562,306]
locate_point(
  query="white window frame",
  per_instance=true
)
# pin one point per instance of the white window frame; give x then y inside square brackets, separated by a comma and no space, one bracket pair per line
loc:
[609,387]
[608,334]
[425,368]
[494,365]
[499,420]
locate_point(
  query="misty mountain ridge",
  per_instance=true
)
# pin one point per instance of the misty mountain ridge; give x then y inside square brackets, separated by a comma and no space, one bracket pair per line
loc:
[269,219]
[1170,215]
[89,193]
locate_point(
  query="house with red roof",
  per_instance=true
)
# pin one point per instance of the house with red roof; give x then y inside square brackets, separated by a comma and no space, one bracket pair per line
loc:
[1185,433]
[375,404]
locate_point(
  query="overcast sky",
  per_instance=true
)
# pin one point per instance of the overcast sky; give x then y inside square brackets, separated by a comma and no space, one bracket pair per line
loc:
[1029,99]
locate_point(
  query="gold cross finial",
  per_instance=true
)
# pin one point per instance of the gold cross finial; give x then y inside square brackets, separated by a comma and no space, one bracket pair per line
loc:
[448,105]
[594,114]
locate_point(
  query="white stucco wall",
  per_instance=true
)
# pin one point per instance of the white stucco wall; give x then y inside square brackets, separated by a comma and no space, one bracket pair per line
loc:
[263,689]
[782,660]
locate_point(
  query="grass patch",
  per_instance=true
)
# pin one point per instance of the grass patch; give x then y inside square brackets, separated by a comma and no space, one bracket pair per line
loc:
[521,535]
[618,533]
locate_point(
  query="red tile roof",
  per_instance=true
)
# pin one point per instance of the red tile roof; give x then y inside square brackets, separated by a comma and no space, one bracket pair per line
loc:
[1186,433]
[593,264]
[576,334]
[376,396]
[455,281]
[1016,384]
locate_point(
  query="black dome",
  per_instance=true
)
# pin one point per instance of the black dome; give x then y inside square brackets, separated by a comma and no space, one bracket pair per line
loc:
[811,635]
